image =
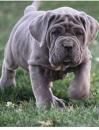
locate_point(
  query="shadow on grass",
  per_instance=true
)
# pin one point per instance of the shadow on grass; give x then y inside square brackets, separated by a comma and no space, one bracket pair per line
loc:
[20,94]
[16,94]
[23,91]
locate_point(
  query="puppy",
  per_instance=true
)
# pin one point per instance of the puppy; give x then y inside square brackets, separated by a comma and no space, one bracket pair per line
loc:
[49,44]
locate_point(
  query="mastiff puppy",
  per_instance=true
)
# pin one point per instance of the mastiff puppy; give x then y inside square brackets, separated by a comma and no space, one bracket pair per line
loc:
[49,44]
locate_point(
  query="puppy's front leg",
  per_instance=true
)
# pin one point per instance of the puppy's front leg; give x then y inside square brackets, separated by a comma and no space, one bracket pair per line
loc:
[80,86]
[40,85]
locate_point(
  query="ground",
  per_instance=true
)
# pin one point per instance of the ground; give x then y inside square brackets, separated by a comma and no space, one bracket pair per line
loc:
[17,105]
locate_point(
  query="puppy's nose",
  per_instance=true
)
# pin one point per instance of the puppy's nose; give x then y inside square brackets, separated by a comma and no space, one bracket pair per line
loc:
[68,45]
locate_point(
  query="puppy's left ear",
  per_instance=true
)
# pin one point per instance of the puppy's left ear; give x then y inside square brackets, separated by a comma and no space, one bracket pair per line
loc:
[39,26]
[91,27]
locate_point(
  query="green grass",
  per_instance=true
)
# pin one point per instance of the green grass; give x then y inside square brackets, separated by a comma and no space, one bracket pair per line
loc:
[17,105]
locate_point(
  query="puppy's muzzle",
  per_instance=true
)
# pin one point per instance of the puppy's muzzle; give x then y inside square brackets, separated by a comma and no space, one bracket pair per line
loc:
[68,43]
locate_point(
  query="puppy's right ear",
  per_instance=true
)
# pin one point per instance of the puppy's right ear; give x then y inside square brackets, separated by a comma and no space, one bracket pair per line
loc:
[39,26]
[91,26]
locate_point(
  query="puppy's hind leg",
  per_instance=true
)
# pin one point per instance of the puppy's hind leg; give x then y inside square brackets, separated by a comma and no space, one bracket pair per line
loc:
[7,76]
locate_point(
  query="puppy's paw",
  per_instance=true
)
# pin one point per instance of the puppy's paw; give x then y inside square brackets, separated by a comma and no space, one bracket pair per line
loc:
[78,91]
[54,102]
[58,102]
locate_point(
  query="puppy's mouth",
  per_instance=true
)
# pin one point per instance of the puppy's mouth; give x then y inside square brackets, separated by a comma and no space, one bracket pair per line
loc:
[63,65]
[71,62]
[66,63]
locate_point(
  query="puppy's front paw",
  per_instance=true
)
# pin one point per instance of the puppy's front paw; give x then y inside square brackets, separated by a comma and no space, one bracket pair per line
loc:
[78,91]
[54,102]
[58,102]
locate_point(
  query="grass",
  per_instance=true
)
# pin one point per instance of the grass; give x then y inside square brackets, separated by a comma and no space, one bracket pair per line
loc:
[17,105]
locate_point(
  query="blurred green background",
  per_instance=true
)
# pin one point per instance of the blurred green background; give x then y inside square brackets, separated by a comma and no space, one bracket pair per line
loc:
[17,105]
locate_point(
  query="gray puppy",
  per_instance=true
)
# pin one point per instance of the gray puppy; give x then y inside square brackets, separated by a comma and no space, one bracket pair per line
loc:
[48,44]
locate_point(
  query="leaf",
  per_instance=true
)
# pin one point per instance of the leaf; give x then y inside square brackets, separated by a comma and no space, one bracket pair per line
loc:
[46,123]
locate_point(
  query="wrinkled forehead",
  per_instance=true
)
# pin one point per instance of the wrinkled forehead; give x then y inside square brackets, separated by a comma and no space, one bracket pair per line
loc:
[68,19]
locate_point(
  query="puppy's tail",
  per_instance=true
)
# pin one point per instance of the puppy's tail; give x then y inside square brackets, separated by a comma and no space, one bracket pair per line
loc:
[33,7]
[36,4]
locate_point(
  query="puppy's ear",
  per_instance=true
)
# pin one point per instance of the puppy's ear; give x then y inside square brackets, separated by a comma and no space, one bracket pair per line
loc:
[39,26]
[91,27]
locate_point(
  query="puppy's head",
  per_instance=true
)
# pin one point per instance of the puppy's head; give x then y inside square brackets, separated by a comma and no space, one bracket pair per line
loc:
[65,35]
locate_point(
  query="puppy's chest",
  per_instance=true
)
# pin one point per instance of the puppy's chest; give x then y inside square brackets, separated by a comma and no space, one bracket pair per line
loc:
[57,74]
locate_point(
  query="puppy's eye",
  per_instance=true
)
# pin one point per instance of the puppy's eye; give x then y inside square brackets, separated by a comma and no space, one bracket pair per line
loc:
[57,32]
[78,32]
